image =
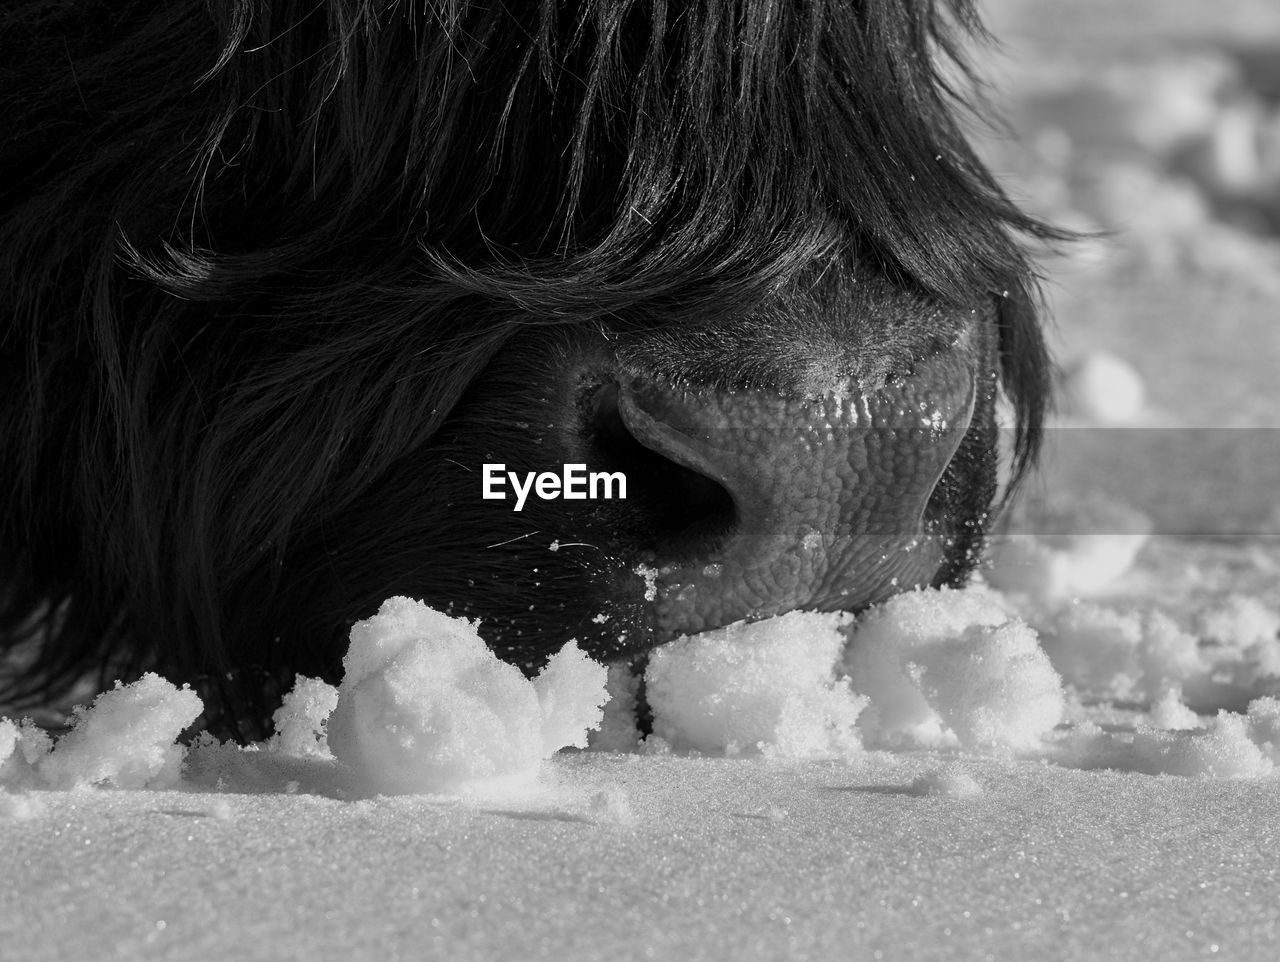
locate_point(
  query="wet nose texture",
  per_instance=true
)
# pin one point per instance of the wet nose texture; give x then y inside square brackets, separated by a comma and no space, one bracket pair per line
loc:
[757,503]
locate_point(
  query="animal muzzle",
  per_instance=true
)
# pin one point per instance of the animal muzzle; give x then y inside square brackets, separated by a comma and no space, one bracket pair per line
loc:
[753,502]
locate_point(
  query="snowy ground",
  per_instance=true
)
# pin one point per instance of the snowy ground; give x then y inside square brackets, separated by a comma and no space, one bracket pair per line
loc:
[1157,120]
[724,859]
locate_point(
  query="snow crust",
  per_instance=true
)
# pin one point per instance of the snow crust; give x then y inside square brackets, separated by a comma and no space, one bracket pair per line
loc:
[664,857]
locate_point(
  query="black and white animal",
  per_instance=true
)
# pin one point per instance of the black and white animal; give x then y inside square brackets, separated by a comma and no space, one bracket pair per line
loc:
[278,278]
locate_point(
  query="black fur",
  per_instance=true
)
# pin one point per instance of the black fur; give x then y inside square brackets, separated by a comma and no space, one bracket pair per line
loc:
[258,259]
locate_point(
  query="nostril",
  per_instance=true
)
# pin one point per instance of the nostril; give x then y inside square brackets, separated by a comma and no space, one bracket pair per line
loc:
[684,513]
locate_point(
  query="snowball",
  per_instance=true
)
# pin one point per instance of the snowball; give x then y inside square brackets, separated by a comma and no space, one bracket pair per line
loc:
[1105,389]
[1078,549]
[992,686]
[877,660]
[125,739]
[425,706]
[946,667]
[1170,714]
[571,692]
[1056,567]
[767,687]
[950,780]
[300,720]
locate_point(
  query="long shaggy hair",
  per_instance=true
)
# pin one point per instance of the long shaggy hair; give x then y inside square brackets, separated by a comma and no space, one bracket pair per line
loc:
[253,253]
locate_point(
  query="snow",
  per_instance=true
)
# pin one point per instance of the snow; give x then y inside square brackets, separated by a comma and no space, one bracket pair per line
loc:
[302,719]
[724,858]
[126,739]
[768,687]
[425,706]
[949,780]
[1074,759]
[1105,389]
[947,668]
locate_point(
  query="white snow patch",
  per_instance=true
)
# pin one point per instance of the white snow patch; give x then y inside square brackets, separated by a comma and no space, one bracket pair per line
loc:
[949,780]
[769,687]
[1061,566]
[23,745]
[301,718]
[1105,389]
[1081,549]
[425,706]
[1242,622]
[125,739]
[1224,748]
[944,668]
[572,692]
[1171,714]
[1122,653]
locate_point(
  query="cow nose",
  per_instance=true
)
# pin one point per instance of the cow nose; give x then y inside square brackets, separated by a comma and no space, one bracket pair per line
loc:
[751,502]
[682,509]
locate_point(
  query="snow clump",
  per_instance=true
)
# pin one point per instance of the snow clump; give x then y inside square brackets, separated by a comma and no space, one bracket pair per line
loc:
[1170,714]
[950,668]
[950,780]
[1105,389]
[125,739]
[1228,746]
[425,706]
[300,720]
[1132,655]
[1075,550]
[769,687]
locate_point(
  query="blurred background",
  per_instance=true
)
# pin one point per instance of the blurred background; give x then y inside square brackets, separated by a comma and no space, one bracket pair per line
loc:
[1154,124]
